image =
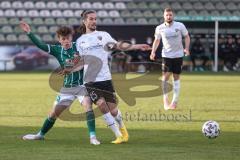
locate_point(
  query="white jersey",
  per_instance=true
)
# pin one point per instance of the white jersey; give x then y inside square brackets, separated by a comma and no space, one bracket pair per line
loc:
[93,44]
[171,38]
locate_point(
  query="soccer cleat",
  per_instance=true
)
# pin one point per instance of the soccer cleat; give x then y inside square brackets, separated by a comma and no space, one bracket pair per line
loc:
[173,105]
[124,132]
[118,140]
[166,107]
[94,141]
[33,137]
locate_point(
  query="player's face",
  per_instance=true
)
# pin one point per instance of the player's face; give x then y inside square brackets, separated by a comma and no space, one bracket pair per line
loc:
[168,17]
[65,41]
[91,21]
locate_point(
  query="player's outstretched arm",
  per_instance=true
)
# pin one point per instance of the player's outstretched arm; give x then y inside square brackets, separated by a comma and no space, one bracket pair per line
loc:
[124,46]
[142,47]
[39,43]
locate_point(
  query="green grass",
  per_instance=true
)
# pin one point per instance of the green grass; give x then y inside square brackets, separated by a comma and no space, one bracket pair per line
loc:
[26,99]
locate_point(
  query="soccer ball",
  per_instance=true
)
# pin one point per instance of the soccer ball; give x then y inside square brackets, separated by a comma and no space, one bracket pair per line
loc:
[211,129]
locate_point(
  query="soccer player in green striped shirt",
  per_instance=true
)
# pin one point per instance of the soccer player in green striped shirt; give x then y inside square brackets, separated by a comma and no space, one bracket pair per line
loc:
[72,86]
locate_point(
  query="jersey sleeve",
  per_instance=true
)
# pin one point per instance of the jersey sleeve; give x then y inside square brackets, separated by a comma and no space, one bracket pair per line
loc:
[109,42]
[157,34]
[184,30]
[40,44]
[109,39]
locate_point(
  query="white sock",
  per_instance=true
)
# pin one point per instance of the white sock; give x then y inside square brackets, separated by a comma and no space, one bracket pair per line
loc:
[39,134]
[119,119]
[111,123]
[165,89]
[176,90]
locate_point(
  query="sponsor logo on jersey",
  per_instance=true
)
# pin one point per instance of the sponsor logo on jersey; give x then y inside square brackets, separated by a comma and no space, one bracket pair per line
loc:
[99,37]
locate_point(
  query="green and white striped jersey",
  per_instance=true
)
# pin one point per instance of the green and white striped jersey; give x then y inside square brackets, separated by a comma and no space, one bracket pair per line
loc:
[63,56]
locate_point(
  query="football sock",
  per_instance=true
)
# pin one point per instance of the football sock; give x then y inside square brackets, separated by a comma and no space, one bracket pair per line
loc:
[91,123]
[176,90]
[165,89]
[119,119]
[47,125]
[111,123]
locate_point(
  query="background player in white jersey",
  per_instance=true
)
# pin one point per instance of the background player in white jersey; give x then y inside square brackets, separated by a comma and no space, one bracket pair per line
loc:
[93,43]
[171,33]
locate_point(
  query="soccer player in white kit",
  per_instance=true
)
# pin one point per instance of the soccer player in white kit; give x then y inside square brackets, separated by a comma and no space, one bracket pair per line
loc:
[93,43]
[171,33]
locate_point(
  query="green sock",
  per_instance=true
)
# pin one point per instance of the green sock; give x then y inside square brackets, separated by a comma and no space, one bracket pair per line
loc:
[47,125]
[91,123]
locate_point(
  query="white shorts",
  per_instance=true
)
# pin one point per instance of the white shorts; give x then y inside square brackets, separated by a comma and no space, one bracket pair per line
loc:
[68,95]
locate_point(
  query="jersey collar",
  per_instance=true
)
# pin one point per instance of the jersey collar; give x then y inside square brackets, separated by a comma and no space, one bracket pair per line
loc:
[91,32]
[68,48]
[168,25]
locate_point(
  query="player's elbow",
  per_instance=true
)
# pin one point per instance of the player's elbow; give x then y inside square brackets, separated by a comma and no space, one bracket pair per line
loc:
[156,40]
[187,37]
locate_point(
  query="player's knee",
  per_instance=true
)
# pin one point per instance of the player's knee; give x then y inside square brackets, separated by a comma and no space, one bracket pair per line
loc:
[114,112]
[176,77]
[101,102]
[165,77]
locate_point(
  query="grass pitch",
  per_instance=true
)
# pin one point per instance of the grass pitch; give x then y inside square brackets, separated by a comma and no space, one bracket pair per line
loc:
[26,99]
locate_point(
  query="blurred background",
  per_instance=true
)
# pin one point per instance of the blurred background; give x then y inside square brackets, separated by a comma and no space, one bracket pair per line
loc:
[213,26]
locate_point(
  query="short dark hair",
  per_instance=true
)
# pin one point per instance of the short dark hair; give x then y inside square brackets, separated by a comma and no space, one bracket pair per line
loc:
[64,31]
[168,9]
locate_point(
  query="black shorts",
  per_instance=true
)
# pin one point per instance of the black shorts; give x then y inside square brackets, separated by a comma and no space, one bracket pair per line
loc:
[173,65]
[102,89]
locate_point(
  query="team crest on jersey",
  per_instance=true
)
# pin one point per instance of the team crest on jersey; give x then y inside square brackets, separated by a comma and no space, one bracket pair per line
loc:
[99,37]
[176,30]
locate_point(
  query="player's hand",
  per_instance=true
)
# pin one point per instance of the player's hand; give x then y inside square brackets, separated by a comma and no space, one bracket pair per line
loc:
[76,59]
[65,71]
[187,53]
[152,56]
[78,63]
[143,47]
[25,27]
